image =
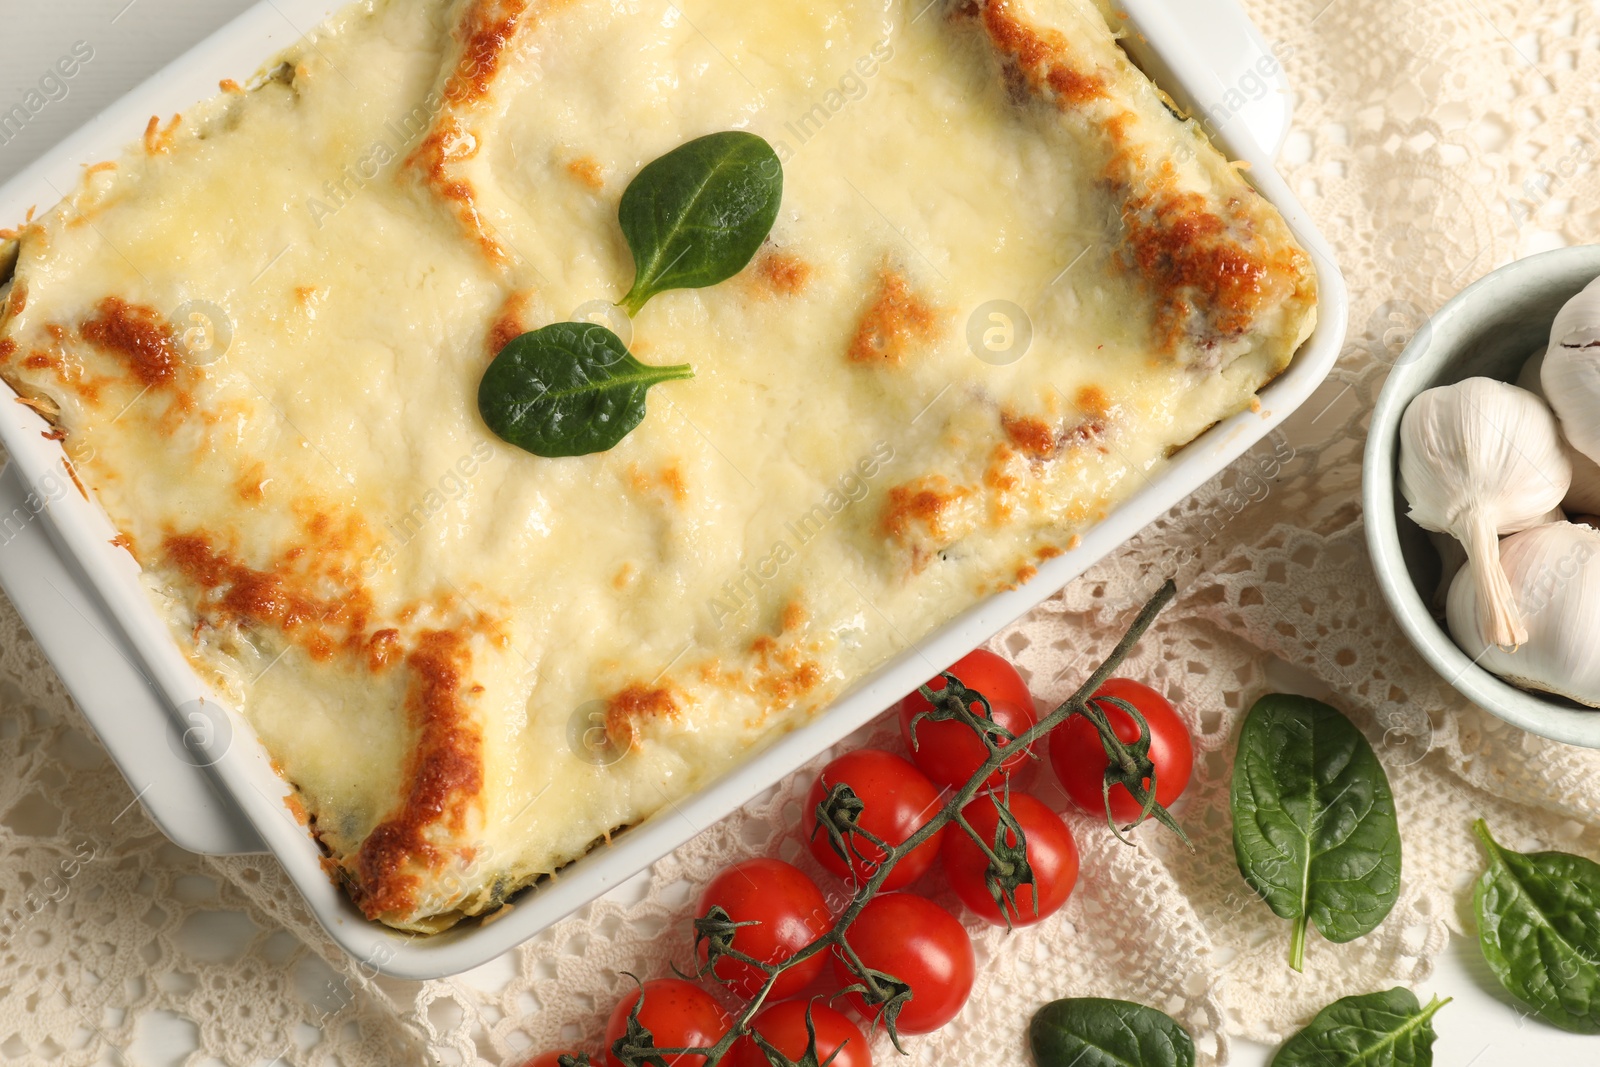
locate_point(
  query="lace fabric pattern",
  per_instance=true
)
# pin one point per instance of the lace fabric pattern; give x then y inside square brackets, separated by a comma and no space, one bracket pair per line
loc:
[1434,140]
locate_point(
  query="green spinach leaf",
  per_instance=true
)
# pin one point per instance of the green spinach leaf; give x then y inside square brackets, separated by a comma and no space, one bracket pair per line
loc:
[1539,928]
[1314,828]
[1093,1032]
[697,215]
[1388,1029]
[570,389]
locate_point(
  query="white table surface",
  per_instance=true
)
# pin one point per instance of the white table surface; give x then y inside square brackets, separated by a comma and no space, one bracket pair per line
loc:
[132,40]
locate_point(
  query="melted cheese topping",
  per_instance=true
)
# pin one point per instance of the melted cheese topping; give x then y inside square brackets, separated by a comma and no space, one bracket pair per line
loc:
[268,322]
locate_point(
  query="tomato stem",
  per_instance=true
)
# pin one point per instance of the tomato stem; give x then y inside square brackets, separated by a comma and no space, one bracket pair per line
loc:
[1000,866]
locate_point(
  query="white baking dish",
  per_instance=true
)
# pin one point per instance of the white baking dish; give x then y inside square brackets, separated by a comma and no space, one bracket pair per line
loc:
[199,771]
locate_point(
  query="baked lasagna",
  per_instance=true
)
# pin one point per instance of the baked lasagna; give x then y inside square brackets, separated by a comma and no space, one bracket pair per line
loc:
[1008,279]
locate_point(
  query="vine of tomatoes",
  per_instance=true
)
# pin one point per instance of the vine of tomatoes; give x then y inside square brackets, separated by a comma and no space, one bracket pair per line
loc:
[878,823]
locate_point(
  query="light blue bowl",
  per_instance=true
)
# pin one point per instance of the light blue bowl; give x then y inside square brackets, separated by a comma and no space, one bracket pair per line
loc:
[1487,330]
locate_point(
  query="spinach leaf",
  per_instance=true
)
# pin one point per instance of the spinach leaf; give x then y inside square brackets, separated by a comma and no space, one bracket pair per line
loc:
[567,390]
[1539,928]
[1388,1029]
[1093,1032]
[1314,828]
[697,215]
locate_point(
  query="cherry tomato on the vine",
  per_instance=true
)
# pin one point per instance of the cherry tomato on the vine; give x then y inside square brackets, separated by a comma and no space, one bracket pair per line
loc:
[784,1027]
[897,800]
[949,753]
[919,943]
[791,913]
[1052,855]
[989,674]
[677,1013]
[1080,760]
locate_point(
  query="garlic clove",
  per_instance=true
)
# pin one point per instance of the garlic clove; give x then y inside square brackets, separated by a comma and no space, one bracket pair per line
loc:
[1571,371]
[1480,459]
[1554,574]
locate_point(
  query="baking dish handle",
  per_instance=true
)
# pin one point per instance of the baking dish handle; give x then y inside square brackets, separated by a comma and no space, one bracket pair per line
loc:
[1210,52]
[138,728]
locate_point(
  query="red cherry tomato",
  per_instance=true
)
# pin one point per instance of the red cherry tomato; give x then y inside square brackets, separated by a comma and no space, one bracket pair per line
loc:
[921,944]
[1052,854]
[791,912]
[949,753]
[784,1027]
[990,675]
[678,1014]
[1080,759]
[897,800]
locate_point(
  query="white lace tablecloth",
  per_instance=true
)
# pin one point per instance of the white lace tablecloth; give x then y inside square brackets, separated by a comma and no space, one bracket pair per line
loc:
[1434,140]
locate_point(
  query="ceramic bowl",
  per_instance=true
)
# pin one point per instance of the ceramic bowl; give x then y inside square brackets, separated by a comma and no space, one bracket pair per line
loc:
[1487,330]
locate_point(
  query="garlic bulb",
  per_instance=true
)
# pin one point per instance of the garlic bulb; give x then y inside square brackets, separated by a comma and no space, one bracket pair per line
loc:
[1480,459]
[1583,497]
[1453,557]
[1554,572]
[1571,373]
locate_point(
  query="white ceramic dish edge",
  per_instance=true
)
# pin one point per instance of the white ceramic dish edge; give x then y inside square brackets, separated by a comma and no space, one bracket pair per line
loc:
[1170,30]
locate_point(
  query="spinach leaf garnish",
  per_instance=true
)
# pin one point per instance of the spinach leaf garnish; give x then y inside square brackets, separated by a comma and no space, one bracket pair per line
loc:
[1387,1029]
[698,215]
[1314,827]
[1095,1032]
[693,218]
[1539,928]
[569,389]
